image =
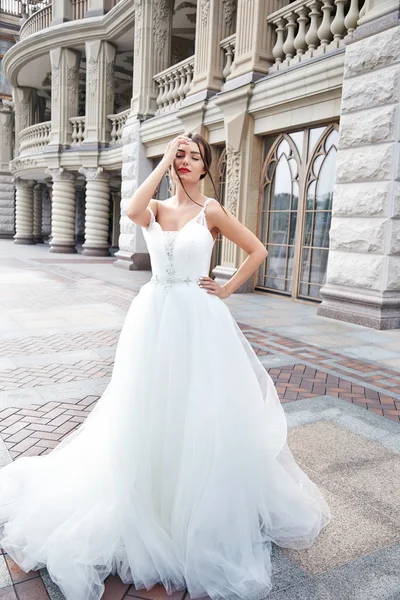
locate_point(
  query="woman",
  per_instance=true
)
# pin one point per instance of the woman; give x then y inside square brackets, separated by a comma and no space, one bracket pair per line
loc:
[181,474]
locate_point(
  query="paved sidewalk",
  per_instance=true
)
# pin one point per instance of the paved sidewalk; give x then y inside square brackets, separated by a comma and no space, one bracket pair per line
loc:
[60,318]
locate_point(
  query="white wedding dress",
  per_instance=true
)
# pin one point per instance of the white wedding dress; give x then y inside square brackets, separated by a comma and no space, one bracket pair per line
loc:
[181,474]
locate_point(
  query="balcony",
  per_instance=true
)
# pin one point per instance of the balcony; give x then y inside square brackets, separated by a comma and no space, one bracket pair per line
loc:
[34,139]
[307,29]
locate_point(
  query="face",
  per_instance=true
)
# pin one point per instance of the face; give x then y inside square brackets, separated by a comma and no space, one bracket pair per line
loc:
[188,163]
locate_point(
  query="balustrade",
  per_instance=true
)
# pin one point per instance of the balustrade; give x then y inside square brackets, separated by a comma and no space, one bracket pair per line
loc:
[41,19]
[79,7]
[310,28]
[78,130]
[117,125]
[228,45]
[35,138]
[173,85]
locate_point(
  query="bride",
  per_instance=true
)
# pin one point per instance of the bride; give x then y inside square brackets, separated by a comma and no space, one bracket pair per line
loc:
[181,474]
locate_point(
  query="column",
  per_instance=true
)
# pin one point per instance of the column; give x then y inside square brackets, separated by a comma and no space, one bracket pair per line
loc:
[97,212]
[363,274]
[6,180]
[37,214]
[254,39]
[100,64]
[151,55]
[64,94]
[116,215]
[215,21]
[63,212]
[24,212]
[46,210]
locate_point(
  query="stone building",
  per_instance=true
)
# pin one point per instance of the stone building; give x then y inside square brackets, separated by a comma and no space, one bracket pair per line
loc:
[299,100]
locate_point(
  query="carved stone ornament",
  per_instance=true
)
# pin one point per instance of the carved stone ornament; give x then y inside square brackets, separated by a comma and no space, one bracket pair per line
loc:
[23,114]
[92,174]
[138,26]
[23,183]
[205,9]
[230,7]
[19,164]
[92,76]
[232,178]
[160,25]
[55,82]
[61,174]
[72,85]
[110,82]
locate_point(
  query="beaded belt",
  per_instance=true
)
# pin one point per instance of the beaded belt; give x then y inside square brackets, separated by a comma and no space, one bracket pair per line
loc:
[171,280]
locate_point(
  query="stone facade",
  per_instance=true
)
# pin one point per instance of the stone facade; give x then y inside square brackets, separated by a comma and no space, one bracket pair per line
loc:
[363,278]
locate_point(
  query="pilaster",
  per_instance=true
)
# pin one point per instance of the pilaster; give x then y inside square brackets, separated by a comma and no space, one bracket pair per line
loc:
[241,149]
[152,49]
[61,11]
[97,212]
[24,99]
[100,65]
[254,39]
[215,21]
[64,94]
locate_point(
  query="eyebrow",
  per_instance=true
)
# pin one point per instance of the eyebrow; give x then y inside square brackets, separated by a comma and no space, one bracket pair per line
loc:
[193,152]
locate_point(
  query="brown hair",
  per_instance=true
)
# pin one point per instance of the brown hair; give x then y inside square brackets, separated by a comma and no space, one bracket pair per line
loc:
[206,155]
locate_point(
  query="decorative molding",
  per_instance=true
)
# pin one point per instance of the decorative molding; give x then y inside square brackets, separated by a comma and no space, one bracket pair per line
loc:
[72,84]
[110,69]
[138,26]
[92,76]
[55,82]
[23,183]
[233,159]
[205,10]
[160,24]
[61,174]
[230,8]
[23,114]
[19,164]
[95,174]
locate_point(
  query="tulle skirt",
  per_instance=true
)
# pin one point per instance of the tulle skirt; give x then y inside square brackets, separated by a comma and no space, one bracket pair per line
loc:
[180,475]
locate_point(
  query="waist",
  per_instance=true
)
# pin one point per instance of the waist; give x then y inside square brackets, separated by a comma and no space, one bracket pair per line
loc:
[168,281]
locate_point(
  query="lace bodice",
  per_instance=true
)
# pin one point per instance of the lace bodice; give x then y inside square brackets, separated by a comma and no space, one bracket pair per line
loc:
[180,256]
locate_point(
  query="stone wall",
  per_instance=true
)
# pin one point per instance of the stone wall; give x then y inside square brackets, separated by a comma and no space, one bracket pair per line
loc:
[363,278]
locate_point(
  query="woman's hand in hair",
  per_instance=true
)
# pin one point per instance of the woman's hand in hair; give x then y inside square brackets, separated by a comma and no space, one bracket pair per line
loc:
[172,149]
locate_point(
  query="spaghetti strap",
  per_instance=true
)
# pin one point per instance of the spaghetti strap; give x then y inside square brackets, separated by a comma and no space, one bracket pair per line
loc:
[152,217]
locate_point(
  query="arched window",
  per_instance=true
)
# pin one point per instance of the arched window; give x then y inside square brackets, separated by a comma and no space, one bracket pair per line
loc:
[296,203]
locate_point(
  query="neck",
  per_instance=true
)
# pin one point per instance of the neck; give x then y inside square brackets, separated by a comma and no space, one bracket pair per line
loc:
[192,189]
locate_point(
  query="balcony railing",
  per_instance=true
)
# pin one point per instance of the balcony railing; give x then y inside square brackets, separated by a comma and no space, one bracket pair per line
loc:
[39,20]
[310,28]
[228,45]
[33,139]
[79,7]
[117,125]
[78,130]
[173,85]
